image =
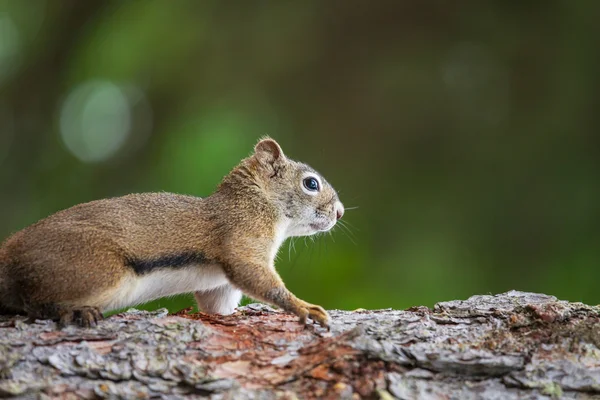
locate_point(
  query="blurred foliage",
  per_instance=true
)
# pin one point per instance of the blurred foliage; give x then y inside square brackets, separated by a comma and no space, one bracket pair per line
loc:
[465,132]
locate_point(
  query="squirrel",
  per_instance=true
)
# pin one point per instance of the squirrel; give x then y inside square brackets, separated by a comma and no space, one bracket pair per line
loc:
[108,254]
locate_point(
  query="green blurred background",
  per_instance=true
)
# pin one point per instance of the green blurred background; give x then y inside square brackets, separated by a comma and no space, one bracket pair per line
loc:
[466,132]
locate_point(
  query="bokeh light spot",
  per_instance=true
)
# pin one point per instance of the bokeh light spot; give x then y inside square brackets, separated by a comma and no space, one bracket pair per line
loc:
[95,121]
[478,81]
[9,46]
[7,131]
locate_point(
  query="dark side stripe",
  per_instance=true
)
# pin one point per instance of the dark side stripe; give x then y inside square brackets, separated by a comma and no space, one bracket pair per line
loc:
[167,261]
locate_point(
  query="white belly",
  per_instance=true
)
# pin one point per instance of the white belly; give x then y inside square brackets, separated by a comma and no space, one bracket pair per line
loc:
[135,290]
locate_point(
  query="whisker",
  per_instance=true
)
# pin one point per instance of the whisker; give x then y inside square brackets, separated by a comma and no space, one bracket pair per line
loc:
[296,254]
[346,222]
[350,238]
[346,231]
[345,227]
[320,246]
[351,208]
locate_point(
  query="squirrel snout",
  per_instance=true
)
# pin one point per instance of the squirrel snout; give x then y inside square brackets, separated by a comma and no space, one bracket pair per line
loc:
[339,209]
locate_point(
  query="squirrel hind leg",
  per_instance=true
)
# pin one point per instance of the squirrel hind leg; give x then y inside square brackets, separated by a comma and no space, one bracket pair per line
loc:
[220,300]
[84,316]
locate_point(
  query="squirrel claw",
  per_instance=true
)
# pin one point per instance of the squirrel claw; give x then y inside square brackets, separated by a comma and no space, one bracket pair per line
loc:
[86,317]
[316,313]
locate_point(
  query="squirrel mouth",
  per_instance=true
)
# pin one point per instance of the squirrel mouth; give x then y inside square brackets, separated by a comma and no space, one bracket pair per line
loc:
[321,227]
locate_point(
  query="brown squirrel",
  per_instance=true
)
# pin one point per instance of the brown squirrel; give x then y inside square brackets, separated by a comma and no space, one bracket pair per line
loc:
[99,256]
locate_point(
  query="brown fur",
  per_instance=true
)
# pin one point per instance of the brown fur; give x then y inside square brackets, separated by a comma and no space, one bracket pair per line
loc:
[74,259]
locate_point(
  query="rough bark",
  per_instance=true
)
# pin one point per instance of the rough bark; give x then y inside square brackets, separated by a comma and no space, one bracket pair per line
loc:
[509,346]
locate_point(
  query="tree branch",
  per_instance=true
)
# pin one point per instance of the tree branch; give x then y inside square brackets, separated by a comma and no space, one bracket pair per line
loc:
[510,346]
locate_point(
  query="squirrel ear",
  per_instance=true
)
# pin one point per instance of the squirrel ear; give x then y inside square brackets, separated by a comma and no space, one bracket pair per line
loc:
[268,151]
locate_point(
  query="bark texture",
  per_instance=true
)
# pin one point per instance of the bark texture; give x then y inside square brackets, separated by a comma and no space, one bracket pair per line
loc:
[510,346]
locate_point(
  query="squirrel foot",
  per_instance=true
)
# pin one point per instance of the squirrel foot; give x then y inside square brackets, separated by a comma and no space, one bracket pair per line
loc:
[314,312]
[83,316]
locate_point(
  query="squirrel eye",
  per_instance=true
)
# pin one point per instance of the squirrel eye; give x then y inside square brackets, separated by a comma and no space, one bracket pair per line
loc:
[311,184]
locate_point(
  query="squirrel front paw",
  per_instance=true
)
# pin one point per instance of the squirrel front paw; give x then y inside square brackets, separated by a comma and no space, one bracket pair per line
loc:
[316,313]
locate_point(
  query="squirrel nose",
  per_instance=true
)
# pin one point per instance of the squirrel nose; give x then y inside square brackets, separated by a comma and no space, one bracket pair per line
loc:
[339,210]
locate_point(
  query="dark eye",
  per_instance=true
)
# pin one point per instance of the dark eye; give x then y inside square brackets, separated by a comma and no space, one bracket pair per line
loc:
[311,184]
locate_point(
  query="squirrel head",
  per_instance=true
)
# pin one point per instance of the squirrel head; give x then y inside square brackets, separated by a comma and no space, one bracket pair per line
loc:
[307,203]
